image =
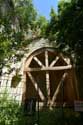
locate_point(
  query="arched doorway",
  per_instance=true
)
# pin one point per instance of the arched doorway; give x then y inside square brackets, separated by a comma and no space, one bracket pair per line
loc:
[50,77]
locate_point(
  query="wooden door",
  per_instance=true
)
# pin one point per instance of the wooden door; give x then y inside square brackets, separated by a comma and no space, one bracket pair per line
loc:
[48,77]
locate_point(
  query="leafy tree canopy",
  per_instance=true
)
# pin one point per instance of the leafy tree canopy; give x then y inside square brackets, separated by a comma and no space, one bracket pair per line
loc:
[71,26]
[17,16]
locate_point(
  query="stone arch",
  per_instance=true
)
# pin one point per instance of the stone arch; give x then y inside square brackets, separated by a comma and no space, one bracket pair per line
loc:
[50,77]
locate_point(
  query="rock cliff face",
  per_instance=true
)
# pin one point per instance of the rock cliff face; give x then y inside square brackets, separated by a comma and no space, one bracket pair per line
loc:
[6,6]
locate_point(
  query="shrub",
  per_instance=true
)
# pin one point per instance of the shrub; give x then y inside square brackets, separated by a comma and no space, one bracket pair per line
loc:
[11,113]
[59,116]
[8,109]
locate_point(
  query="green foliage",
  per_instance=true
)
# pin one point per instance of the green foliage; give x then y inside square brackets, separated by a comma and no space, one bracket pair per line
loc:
[41,24]
[52,27]
[71,117]
[15,80]
[59,116]
[26,12]
[11,113]
[48,117]
[16,16]
[70,33]
[70,25]
[8,109]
